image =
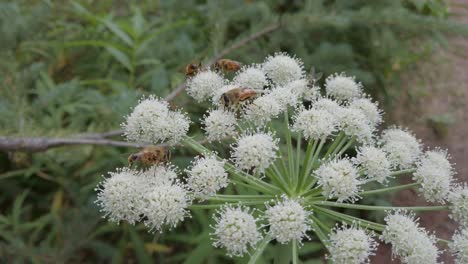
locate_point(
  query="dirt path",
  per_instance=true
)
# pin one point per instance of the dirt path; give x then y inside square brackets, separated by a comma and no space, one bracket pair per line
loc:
[435,108]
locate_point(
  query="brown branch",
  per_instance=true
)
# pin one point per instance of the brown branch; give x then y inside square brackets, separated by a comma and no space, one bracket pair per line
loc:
[36,144]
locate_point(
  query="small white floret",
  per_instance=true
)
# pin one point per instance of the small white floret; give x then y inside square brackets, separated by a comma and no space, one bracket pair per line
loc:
[235,230]
[288,220]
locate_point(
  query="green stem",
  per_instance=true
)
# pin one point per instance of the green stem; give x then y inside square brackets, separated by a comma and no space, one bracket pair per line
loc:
[334,144]
[290,150]
[295,258]
[280,177]
[388,189]
[339,147]
[261,247]
[311,147]
[215,206]
[373,207]
[395,173]
[318,231]
[349,144]
[312,192]
[298,158]
[349,219]
[235,198]
[314,180]
[278,180]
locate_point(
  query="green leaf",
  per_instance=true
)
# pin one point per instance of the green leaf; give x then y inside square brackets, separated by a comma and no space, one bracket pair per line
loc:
[139,246]
[121,57]
[138,22]
[114,28]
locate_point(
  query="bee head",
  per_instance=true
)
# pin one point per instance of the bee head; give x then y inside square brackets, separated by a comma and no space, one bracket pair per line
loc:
[132,158]
[226,100]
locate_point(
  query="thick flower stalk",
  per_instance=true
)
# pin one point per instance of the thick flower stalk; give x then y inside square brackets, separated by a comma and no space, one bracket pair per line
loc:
[297,157]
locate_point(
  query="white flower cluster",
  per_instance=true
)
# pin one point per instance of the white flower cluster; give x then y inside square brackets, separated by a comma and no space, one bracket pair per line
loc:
[315,123]
[282,69]
[207,176]
[409,241]
[204,85]
[151,122]
[342,87]
[375,163]
[435,174]
[402,147]
[339,179]
[255,152]
[235,230]
[220,124]
[252,77]
[458,199]
[459,246]
[153,195]
[343,114]
[288,220]
[351,245]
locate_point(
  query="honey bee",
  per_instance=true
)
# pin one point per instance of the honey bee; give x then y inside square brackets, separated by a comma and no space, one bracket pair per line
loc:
[192,69]
[152,155]
[237,97]
[314,77]
[227,65]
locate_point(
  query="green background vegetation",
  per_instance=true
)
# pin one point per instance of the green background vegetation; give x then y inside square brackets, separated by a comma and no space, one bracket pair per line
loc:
[69,67]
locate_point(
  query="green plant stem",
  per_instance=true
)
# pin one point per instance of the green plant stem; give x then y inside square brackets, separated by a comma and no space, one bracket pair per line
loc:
[298,158]
[217,205]
[349,219]
[373,207]
[395,173]
[278,180]
[295,257]
[349,144]
[443,241]
[259,250]
[311,147]
[235,198]
[315,165]
[388,189]
[290,150]
[280,177]
[318,231]
[334,144]
[343,141]
[312,192]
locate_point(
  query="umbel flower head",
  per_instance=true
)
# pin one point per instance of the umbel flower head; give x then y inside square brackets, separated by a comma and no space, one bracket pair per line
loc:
[298,162]
[288,220]
[252,77]
[409,241]
[339,179]
[374,162]
[207,176]
[342,87]
[255,151]
[151,122]
[434,172]
[459,246]
[219,124]
[235,230]
[282,68]
[204,85]
[119,196]
[458,199]
[351,245]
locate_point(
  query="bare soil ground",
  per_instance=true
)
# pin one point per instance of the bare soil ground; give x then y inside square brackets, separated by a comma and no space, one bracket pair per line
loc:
[435,108]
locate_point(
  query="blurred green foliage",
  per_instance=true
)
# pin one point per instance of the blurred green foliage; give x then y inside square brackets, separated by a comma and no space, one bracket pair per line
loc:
[78,66]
